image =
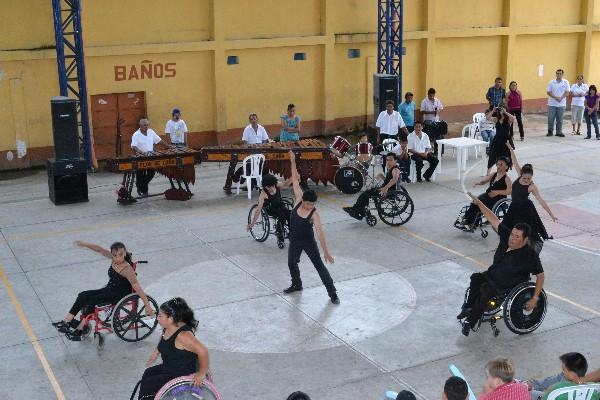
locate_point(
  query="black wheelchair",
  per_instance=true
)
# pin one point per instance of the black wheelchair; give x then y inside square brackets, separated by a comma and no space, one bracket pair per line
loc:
[500,209]
[510,306]
[394,209]
[267,224]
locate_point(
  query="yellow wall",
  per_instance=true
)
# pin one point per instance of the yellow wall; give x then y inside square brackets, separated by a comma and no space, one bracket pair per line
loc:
[456,46]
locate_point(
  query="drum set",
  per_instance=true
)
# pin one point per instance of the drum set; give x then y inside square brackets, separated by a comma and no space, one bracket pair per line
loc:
[359,167]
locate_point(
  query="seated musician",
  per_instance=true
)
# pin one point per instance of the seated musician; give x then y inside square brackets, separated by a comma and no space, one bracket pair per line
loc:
[514,262]
[403,158]
[270,198]
[362,156]
[420,149]
[391,179]
[176,129]
[254,135]
[142,142]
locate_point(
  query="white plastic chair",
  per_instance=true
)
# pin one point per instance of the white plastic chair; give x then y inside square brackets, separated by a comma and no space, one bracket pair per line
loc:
[478,117]
[472,132]
[576,392]
[389,144]
[255,162]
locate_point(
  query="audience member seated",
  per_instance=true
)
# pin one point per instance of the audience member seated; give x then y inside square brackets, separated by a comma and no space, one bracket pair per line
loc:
[298,396]
[420,149]
[487,128]
[500,383]
[403,158]
[455,388]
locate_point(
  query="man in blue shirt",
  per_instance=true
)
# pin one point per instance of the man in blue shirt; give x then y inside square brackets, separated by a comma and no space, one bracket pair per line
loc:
[407,111]
[496,95]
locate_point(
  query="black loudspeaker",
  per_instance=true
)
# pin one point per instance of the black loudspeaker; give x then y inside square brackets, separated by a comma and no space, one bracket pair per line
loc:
[64,128]
[385,87]
[67,181]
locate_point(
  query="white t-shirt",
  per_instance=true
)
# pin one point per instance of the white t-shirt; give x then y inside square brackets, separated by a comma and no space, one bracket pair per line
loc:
[145,143]
[576,89]
[428,105]
[176,130]
[486,125]
[558,89]
[389,123]
[255,137]
[418,145]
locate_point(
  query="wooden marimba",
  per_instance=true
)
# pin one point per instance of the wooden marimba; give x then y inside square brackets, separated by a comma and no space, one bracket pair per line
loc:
[313,158]
[177,164]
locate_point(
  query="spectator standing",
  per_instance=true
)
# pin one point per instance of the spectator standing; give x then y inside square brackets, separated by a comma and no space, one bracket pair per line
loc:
[407,111]
[290,125]
[578,92]
[557,91]
[515,107]
[591,111]
[176,129]
[496,95]
[388,122]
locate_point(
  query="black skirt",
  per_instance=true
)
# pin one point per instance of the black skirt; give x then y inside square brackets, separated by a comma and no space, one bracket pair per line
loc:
[525,211]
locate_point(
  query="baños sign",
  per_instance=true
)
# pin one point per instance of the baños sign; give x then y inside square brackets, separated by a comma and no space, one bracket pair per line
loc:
[146,70]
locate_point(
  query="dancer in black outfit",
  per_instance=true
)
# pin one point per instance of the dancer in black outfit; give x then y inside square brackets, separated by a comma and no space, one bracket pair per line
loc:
[270,198]
[499,187]
[302,237]
[498,145]
[182,354]
[522,209]
[121,280]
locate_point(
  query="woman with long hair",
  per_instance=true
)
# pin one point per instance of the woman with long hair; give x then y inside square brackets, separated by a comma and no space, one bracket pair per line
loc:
[498,144]
[182,354]
[122,280]
[522,208]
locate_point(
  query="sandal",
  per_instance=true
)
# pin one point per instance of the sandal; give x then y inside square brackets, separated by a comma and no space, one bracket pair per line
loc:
[65,327]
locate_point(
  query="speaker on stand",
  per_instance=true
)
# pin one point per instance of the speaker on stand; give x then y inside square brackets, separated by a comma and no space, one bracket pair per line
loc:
[67,172]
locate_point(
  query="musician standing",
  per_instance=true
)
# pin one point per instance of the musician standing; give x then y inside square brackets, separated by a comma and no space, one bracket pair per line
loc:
[176,129]
[388,123]
[431,107]
[142,142]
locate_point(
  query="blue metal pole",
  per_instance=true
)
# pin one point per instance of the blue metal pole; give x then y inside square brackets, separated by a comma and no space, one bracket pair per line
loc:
[380,67]
[60,48]
[400,47]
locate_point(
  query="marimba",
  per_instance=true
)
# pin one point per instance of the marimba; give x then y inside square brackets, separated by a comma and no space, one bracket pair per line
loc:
[177,164]
[314,159]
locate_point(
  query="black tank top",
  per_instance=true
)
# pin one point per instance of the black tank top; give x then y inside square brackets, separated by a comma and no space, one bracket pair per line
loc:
[499,184]
[177,361]
[389,176]
[301,229]
[274,201]
[118,282]
[520,193]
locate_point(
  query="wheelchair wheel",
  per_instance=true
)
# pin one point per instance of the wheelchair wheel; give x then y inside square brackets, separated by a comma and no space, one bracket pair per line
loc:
[129,320]
[371,220]
[260,230]
[396,208]
[501,208]
[517,318]
[182,389]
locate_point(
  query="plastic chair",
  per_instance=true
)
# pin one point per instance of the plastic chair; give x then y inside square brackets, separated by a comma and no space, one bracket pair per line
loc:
[256,163]
[389,144]
[478,117]
[576,392]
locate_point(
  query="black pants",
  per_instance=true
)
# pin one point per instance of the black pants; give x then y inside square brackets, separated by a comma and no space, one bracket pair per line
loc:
[143,178]
[86,300]
[363,199]
[312,251]
[473,209]
[404,167]
[282,218]
[154,379]
[480,292]
[433,162]
[519,118]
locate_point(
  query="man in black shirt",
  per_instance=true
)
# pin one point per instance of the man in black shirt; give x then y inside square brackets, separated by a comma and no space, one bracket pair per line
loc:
[514,262]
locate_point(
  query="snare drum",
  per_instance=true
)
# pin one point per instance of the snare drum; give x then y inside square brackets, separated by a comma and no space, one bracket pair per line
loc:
[350,178]
[364,152]
[340,146]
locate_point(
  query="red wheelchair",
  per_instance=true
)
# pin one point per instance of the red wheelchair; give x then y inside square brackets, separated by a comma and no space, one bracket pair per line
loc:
[127,319]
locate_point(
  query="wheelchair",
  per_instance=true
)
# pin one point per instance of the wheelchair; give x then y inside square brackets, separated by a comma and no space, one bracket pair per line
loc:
[267,224]
[500,209]
[510,306]
[395,209]
[181,389]
[127,318]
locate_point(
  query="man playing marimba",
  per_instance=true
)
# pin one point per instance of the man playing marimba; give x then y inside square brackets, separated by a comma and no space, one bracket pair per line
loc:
[142,142]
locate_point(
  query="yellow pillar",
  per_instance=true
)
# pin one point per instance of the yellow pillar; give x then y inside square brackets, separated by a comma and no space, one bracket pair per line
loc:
[508,68]
[430,58]
[328,64]
[588,19]
[219,65]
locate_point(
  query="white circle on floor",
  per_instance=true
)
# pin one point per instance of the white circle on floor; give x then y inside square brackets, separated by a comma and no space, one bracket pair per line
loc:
[262,320]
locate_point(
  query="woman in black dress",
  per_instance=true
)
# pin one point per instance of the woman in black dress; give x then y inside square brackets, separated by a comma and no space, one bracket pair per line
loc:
[498,144]
[182,354]
[522,209]
[500,186]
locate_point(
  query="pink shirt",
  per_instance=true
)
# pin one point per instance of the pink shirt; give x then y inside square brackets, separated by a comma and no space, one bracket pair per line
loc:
[509,391]
[514,101]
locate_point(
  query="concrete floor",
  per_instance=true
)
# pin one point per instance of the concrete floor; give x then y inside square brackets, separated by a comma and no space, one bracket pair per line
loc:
[400,288]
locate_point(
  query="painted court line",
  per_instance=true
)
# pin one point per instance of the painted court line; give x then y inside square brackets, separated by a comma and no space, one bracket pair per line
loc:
[32,337]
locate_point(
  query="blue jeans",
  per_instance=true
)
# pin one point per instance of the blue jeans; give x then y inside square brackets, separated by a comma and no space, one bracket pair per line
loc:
[589,120]
[487,136]
[555,113]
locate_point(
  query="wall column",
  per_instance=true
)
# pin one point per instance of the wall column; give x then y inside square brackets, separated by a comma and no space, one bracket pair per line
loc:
[328,65]
[509,44]
[219,65]
[587,19]
[430,53]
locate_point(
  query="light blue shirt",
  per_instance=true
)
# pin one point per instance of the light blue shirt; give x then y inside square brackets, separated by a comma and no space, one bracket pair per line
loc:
[407,112]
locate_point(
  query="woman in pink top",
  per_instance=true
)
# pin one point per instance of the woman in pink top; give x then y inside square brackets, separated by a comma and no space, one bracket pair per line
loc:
[515,106]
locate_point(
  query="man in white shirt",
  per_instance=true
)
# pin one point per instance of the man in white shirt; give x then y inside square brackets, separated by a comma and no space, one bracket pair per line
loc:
[420,147]
[578,92]
[557,91]
[431,107]
[388,123]
[176,129]
[254,133]
[142,142]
